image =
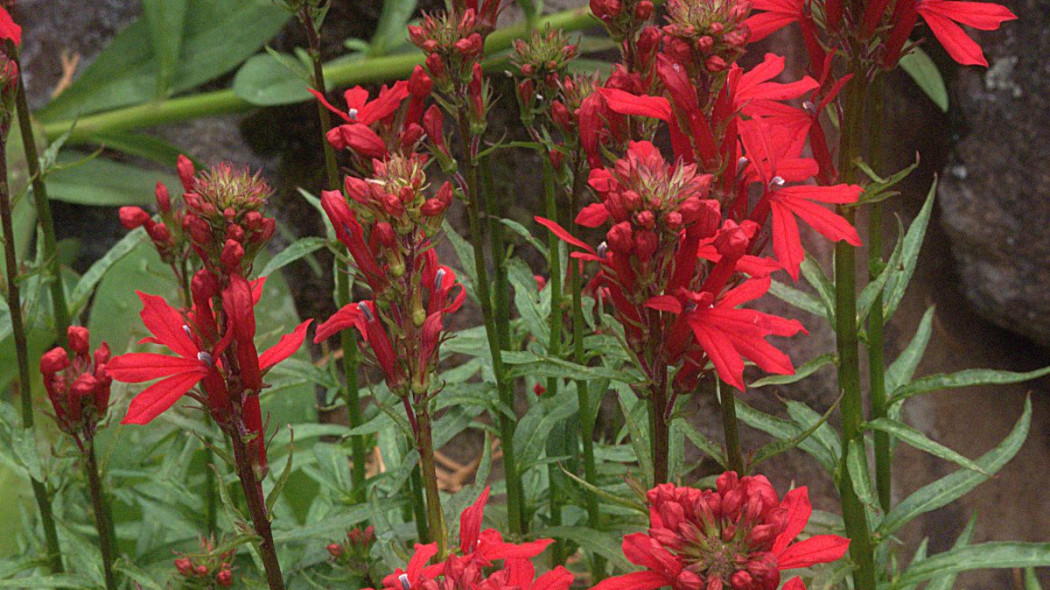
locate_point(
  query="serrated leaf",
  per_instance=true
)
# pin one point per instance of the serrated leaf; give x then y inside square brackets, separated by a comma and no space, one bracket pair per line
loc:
[955,485]
[298,249]
[920,441]
[972,557]
[808,368]
[947,581]
[918,65]
[912,243]
[282,480]
[527,299]
[390,30]
[809,419]
[166,19]
[639,439]
[966,378]
[903,367]
[796,298]
[533,429]
[536,365]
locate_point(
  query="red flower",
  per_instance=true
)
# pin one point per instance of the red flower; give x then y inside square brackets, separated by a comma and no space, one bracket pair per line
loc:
[942,16]
[78,390]
[360,114]
[9,29]
[728,335]
[195,362]
[737,536]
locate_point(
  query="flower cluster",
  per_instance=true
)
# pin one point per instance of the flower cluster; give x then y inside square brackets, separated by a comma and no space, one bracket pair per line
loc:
[214,337]
[740,536]
[354,553]
[474,567]
[542,63]
[207,569]
[708,35]
[78,388]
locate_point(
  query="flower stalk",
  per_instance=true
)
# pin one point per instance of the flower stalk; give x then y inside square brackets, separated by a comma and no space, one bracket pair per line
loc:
[103,516]
[253,493]
[731,429]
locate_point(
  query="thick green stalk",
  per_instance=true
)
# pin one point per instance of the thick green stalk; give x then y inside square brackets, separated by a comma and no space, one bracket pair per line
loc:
[351,394]
[428,472]
[876,344]
[418,506]
[59,308]
[852,406]
[341,74]
[659,429]
[474,206]
[18,330]
[731,428]
[103,518]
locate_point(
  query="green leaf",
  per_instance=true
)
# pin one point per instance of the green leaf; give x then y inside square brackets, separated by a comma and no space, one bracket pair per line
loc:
[902,369]
[137,575]
[801,373]
[98,181]
[166,20]
[527,299]
[706,445]
[282,480]
[534,428]
[879,189]
[218,35]
[390,31]
[526,235]
[898,282]
[536,365]
[599,542]
[947,581]
[815,276]
[921,68]
[789,435]
[955,485]
[90,279]
[140,145]
[264,80]
[55,581]
[1031,581]
[639,440]
[465,252]
[799,299]
[533,9]
[874,289]
[966,378]
[296,250]
[809,419]
[920,441]
[860,473]
[972,557]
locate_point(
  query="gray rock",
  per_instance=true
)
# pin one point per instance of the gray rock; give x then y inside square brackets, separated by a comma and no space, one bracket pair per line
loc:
[995,195]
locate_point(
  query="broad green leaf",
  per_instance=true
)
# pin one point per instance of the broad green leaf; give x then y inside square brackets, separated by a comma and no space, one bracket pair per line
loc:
[535,365]
[903,367]
[955,485]
[296,250]
[920,441]
[966,378]
[90,279]
[144,146]
[264,80]
[527,300]
[799,299]
[218,35]
[166,20]
[390,31]
[1006,554]
[918,65]
[807,369]
[912,243]
[98,181]
[947,581]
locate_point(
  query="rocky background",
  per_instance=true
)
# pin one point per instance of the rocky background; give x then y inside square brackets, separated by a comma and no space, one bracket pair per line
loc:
[985,264]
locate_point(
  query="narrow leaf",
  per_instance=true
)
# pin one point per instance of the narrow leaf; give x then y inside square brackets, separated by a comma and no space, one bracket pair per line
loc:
[920,441]
[898,283]
[918,65]
[296,250]
[808,368]
[799,299]
[972,557]
[947,581]
[967,378]
[902,369]
[390,31]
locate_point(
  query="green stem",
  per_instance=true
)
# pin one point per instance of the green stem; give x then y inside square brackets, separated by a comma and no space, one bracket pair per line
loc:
[59,308]
[474,206]
[351,394]
[428,472]
[419,508]
[659,429]
[340,74]
[253,493]
[876,319]
[210,487]
[851,408]
[103,517]
[731,428]
[18,330]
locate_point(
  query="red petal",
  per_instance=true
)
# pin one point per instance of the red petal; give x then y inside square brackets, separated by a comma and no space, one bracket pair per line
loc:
[159,397]
[137,367]
[794,584]
[285,347]
[9,29]
[764,24]
[799,510]
[592,215]
[831,225]
[956,42]
[626,103]
[470,523]
[819,549]
[562,234]
[718,347]
[419,559]
[985,16]
[558,578]
[786,242]
[665,303]
[328,105]
[166,324]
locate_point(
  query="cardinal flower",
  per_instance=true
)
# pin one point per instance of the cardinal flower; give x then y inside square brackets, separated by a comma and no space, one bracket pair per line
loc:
[360,114]
[942,16]
[194,364]
[9,29]
[740,535]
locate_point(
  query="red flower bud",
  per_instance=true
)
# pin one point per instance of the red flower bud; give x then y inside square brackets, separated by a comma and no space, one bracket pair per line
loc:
[186,172]
[385,234]
[78,340]
[561,116]
[644,10]
[53,361]
[224,578]
[232,255]
[419,83]
[539,390]
[436,66]
[163,200]
[159,233]
[645,219]
[620,238]
[185,566]
[715,64]
[645,244]
[132,217]
[235,232]
[335,549]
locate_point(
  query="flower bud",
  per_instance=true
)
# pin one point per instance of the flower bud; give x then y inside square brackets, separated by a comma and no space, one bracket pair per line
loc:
[620,238]
[163,199]
[78,340]
[419,83]
[644,10]
[645,244]
[184,565]
[231,257]
[186,173]
[133,217]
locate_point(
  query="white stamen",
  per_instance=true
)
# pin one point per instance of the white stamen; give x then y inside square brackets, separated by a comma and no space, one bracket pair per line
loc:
[187,330]
[353,114]
[776,182]
[602,249]
[439,278]
[403,578]
[363,308]
[205,358]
